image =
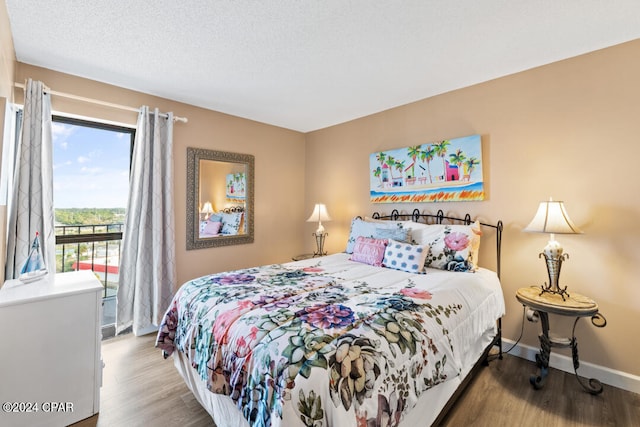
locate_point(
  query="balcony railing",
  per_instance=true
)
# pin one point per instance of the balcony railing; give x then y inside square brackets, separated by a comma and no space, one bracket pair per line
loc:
[93,247]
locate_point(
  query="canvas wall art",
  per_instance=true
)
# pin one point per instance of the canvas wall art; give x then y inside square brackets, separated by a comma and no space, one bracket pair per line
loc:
[236,186]
[441,171]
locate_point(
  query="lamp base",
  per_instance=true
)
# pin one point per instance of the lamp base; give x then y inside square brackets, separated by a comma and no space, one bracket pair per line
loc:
[554,263]
[319,244]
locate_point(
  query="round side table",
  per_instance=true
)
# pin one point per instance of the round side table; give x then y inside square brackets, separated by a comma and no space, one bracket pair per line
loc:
[574,305]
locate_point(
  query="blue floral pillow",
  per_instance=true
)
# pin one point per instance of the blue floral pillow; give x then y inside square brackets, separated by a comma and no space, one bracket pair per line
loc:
[231,222]
[359,228]
[405,257]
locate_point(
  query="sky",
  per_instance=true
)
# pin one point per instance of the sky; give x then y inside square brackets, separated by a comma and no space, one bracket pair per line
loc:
[90,167]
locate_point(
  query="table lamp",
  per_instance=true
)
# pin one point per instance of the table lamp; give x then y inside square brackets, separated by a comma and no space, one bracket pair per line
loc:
[207,210]
[319,214]
[552,218]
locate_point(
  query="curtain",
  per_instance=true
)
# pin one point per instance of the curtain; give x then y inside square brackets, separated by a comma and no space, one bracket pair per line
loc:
[147,265]
[30,204]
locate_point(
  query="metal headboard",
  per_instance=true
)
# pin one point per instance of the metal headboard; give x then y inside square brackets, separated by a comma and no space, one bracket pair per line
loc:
[439,217]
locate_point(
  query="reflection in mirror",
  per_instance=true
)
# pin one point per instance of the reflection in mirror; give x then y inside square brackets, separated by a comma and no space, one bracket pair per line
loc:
[219,198]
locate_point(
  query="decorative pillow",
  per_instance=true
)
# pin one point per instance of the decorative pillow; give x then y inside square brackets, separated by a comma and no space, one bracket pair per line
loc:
[212,228]
[231,222]
[421,233]
[216,217]
[399,234]
[405,257]
[455,248]
[426,233]
[364,229]
[369,251]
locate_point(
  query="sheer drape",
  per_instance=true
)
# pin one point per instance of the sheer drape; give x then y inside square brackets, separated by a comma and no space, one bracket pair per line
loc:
[30,204]
[147,265]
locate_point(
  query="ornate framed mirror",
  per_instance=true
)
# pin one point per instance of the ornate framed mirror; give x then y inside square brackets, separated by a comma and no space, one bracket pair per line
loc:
[220,188]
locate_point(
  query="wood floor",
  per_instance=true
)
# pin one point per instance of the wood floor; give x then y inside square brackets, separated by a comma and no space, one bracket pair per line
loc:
[142,389]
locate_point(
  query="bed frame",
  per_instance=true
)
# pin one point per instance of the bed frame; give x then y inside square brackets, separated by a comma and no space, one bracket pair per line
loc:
[441,218]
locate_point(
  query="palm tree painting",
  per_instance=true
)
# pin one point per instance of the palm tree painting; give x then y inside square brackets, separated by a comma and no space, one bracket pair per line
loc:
[236,186]
[411,175]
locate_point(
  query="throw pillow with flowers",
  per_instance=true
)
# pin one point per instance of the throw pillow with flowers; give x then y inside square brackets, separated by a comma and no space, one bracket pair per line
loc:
[455,249]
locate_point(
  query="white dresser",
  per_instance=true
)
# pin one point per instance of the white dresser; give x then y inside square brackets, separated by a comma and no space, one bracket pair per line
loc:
[50,363]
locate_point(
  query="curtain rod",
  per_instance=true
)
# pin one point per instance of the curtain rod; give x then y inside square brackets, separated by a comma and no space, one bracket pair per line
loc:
[98,102]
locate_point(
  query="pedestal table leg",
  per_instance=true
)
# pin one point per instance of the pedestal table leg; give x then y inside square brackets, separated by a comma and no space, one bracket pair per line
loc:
[593,386]
[542,358]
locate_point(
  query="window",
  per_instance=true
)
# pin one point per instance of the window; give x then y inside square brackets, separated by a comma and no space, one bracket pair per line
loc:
[91,163]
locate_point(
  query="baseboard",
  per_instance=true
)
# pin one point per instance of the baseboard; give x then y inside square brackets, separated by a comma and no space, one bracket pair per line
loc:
[564,363]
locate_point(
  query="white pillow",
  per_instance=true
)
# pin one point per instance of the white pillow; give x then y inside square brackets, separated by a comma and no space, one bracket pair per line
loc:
[230,222]
[405,257]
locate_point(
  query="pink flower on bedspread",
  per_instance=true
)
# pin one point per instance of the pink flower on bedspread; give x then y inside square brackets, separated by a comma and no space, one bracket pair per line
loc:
[225,320]
[415,293]
[312,269]
[327,316]
[244,344]
[245,304]
[456,241]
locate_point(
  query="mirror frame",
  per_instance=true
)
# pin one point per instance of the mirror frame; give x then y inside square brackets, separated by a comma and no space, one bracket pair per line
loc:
[194,155]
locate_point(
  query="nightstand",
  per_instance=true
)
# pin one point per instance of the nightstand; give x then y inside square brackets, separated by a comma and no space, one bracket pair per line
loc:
[573,305]
[305,256]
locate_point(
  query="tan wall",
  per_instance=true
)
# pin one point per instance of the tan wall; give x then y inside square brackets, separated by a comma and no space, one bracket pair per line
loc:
[7,55]
[568,130]
[279,164]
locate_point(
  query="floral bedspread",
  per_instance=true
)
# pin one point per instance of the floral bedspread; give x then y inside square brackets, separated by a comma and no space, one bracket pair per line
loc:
[304,344]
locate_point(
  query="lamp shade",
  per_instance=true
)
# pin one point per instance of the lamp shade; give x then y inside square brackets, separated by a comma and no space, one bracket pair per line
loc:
[319,213]
[552,217]
[207,209]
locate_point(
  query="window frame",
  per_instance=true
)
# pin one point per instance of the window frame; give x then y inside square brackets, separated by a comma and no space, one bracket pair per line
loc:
[98,237]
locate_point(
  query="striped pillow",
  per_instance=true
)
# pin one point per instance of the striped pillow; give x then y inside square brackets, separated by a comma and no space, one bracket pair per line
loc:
[369,250]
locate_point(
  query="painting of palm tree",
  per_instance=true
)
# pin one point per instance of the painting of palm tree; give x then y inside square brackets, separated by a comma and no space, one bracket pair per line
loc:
[236,184]
[410,175]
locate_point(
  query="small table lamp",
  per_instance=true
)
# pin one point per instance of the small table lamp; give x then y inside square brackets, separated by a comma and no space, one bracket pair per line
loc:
[207,210]
[319,214]
[552,218]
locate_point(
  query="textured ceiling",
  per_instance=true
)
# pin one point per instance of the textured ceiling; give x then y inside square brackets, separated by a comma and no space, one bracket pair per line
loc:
[303,64]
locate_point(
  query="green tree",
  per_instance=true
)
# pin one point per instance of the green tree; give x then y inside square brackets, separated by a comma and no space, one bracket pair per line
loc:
[440,149]
[458,158]
[413,152]
[426,156]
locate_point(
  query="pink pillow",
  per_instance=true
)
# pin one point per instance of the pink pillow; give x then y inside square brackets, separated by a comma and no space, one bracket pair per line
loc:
[369,250]
[212,228]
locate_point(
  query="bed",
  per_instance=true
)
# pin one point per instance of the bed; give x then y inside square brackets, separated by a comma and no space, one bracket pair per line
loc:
[227,222]
[347,339]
